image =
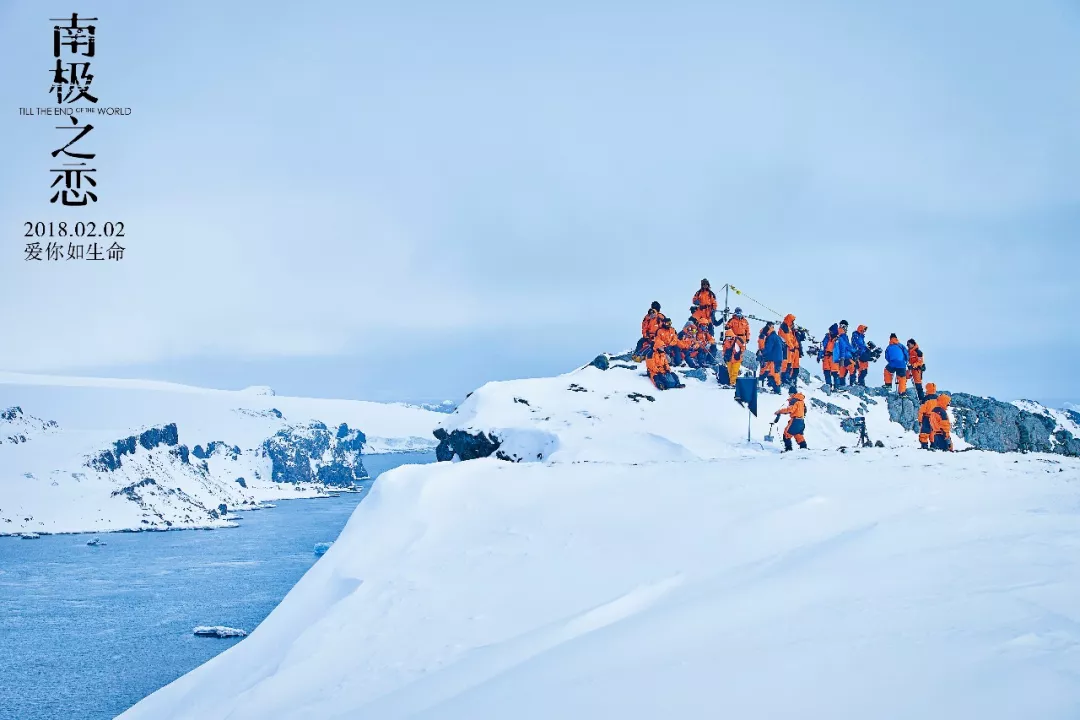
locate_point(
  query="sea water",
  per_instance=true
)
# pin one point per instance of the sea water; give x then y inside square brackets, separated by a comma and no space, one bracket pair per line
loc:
[86,632]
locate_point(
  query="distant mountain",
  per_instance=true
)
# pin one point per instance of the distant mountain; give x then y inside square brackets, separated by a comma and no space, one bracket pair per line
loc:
[89,454]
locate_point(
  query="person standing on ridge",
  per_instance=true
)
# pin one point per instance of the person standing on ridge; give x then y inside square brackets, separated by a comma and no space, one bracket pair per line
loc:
[772,357]
[705,302]
[789,372]
[796,409]
[740,326]
[916,365]
[939,422]
[842,354]
[862,355]
[650,324]
[926,430]
[827,344]
[734,347]
[896,361]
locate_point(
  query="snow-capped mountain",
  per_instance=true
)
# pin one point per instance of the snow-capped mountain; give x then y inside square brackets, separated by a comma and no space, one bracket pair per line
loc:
[637,558]
[90,454]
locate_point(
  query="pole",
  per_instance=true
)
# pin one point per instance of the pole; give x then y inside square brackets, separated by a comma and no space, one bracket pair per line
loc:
[726,303]
[748,425]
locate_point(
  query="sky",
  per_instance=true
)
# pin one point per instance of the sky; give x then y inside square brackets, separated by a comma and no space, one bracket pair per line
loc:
[402,201]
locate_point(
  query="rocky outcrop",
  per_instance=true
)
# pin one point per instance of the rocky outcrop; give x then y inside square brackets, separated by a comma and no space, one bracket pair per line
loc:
[315,454]
[465,445]
[112,459]
[990,424]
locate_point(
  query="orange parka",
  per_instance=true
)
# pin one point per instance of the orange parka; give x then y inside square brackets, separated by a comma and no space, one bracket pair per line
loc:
[657,363]
[651,323]
[741,328]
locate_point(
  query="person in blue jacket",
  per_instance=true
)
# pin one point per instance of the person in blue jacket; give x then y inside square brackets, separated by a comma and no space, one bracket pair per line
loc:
[896,362]
[862,355]
[773,356]
[842,354]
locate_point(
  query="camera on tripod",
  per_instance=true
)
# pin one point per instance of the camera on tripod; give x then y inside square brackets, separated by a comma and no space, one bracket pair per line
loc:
[875,351]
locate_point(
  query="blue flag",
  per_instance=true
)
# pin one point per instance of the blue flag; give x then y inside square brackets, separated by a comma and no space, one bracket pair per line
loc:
[746,392]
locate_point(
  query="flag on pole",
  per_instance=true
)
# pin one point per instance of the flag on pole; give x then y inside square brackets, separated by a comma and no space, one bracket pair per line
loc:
[746,392]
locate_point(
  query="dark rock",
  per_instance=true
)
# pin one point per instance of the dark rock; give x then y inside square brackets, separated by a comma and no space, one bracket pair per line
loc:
[241,482]
[198,452]
[155,436]
[465,445]
[904,409]
[523,401]
[989,424]
[276,413]
[625,357]
[11,413]
[223,509]
[601,362]
[296,455]
[829,407]
[638,397]
[182,453]
[698,373]
[574,387]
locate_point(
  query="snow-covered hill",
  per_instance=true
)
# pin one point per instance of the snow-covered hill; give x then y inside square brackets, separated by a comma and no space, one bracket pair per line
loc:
[642,560]
[90,454]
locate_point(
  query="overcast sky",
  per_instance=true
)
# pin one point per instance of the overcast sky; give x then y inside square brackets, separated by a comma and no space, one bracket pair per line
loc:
[402,200]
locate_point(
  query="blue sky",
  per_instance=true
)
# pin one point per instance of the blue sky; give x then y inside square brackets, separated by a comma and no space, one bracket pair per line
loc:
[403,200]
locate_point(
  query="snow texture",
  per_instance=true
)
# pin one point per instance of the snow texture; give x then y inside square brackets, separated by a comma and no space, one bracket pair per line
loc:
[643,561]
[89,455]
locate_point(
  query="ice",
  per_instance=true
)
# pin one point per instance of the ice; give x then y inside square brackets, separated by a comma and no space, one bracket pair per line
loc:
[218,631]
[321,548]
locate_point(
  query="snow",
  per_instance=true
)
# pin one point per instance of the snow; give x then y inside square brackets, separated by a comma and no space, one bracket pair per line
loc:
[47,486]
[218,631]
[649,563]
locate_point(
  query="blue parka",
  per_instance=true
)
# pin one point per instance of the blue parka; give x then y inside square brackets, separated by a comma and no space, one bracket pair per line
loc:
[896,355]
[841,351]
[775,349]
[858,342]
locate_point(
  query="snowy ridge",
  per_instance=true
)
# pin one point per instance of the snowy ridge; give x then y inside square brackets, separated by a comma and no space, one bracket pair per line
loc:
[107,454]
[642,561]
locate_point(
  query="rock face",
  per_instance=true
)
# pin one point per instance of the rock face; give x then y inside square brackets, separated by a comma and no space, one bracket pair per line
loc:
[314,453]
[467,446]
[904,409]
[990,424]
[111,460]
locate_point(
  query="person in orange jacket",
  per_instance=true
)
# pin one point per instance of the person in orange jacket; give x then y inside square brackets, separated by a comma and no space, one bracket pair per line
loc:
[702,350]
[926,430]
[650,324]
[916,365]
[668,340]
[940,425]
[788,332]
[705,305]
[826,355]
[660,369]
[734,346]
[740,326]
[796,410]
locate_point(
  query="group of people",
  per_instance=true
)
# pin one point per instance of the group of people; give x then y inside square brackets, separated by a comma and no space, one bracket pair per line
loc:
[845,361]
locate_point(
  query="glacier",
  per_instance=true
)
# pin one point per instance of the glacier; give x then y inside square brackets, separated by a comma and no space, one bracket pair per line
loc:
[624,552]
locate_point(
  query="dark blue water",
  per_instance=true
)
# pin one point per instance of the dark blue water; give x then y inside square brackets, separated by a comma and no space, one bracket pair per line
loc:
[86,632]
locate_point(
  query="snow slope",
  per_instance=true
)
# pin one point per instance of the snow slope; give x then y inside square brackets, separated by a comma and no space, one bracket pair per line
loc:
[646,562]
[89,454]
